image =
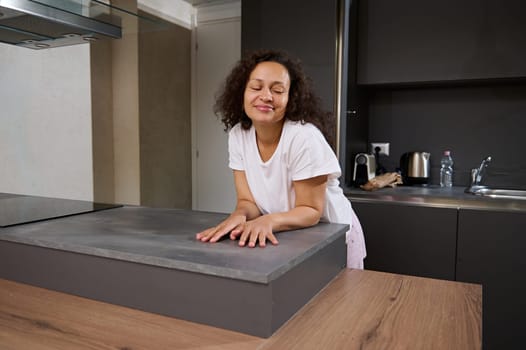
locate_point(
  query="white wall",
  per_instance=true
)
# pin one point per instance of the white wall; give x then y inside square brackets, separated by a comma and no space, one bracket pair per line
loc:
[45,116]
[45,122]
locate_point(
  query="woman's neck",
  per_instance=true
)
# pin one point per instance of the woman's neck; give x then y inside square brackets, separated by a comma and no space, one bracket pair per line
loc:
[267,138]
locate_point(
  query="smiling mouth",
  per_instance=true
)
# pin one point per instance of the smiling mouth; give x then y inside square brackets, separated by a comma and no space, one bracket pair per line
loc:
[264,108]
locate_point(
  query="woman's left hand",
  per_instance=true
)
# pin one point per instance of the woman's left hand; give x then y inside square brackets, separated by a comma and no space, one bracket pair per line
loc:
[254,231]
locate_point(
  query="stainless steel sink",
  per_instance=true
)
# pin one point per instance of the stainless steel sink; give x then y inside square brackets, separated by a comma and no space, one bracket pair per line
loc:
[497,192]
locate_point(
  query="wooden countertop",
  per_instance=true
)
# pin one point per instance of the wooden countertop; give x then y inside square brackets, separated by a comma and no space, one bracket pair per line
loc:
[357,310]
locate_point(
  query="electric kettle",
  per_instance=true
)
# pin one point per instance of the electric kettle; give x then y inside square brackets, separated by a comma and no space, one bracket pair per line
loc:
[415,167]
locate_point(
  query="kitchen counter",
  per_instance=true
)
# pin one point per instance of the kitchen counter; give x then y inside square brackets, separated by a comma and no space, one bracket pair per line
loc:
[166,238]
[149,259]
[359,309]
[435,196]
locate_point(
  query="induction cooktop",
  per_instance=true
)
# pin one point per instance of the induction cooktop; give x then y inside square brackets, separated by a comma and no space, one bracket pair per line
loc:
[21,209]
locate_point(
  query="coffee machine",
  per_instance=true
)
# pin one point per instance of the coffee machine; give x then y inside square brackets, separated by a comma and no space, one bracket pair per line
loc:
[364,169]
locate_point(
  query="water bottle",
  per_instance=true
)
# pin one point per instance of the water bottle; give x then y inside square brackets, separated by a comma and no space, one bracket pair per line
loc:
[446,170]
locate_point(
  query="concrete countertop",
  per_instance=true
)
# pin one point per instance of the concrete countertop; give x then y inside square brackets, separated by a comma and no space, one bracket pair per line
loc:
[434,196]
[166,238]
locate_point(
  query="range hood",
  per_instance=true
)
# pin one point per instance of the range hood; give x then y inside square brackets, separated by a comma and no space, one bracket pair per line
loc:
[51,23]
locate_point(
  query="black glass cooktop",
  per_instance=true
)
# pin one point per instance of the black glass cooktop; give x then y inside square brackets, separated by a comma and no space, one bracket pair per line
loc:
[19,209]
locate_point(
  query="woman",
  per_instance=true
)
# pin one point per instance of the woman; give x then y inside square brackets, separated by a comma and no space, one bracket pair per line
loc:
[285,172]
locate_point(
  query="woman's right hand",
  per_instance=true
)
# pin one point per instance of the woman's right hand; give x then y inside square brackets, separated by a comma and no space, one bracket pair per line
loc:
[234,223]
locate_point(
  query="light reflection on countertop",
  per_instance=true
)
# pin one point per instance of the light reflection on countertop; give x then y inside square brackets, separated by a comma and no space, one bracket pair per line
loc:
[434,196]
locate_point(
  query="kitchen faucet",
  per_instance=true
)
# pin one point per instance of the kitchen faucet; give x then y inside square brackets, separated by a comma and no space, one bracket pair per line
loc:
[476,175]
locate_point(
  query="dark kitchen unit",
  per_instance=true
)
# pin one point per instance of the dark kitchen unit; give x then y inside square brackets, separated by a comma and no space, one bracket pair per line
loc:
[443,76]
[426,77]
[452,235]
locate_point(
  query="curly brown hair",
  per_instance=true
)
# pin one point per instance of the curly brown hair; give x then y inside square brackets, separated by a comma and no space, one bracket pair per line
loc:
[303,104]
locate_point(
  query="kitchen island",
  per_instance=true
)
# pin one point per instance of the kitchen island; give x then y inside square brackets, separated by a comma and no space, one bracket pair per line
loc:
[359,309]
[149,259]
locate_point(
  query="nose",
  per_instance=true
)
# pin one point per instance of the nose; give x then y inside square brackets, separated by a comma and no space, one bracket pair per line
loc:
[266,95]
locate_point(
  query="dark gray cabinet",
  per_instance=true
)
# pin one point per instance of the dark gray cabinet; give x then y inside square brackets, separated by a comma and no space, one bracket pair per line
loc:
[413,41]
[492,252]
[486,247]
[411,240]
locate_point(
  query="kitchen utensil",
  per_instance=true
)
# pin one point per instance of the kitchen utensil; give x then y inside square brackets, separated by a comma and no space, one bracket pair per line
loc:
[364,168]
[415,167]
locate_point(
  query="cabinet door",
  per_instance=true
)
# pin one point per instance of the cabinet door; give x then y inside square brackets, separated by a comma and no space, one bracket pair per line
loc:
[491,251]
[410,41]
[409,240]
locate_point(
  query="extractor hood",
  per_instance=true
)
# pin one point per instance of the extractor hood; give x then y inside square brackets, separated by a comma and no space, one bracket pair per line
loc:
[51,23]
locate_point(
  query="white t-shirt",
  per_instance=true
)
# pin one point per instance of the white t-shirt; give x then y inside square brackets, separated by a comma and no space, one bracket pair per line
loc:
[302,153]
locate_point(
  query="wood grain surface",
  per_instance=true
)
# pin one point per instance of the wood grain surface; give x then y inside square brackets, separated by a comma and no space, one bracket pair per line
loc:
[357,310]
[374,310]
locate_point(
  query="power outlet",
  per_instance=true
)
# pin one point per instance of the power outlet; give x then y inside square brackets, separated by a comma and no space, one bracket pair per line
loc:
[384,148]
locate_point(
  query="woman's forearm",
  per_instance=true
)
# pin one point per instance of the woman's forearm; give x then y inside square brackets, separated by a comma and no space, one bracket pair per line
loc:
[299,217]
